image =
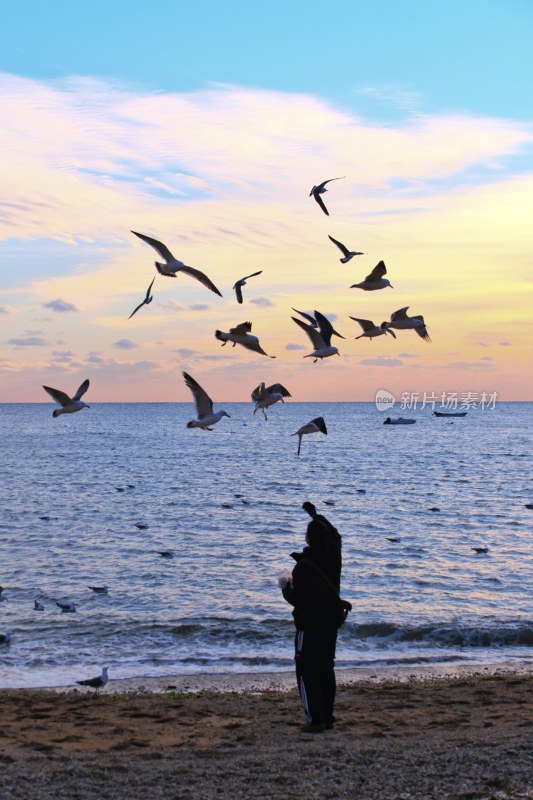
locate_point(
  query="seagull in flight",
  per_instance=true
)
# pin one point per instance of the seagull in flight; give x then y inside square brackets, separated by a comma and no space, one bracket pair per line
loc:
[68,405]
[321,338]
[370,330]
[238,286]
[173,266]
[240,334]
[148,299]
[204,406]
[96,683]
[400,321]
[347,254]
[375,280]
[265,396]
[316,191]
[316,425]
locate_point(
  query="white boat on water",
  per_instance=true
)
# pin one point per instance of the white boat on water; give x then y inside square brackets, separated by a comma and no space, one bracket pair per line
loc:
[399,421]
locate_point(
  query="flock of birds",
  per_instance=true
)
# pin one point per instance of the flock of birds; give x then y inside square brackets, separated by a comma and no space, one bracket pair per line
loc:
[317,327]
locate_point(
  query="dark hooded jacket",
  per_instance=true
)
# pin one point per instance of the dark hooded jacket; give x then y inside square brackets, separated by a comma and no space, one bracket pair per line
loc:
[314,599]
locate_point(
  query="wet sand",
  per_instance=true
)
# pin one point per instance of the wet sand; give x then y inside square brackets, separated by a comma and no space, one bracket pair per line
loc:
[467,737]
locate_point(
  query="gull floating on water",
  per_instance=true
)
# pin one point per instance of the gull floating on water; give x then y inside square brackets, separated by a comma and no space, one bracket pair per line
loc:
[238,286]
[316,191]
[241,335]
[148,299]
[374,280]
[316,425]
[370,330]
[347,254]
[5,638]
[265,396]
[204,406]
[321,339]
[3,598]
[96,683]
[400,321]
[99,589]
[173,266]
[37,606]
[68,608]
[68,405]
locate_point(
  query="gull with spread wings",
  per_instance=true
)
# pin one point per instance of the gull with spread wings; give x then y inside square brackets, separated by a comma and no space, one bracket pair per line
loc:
[265,396]
[316,191]
[204,406]
[375,280]
[172,266]
[400,321]
[240,334]
[321,338]
[316,425]
[68,404]
[148,299]
[347,254]
[370,330]
[242,282]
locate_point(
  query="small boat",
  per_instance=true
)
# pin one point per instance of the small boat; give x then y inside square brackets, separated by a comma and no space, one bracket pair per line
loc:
[399,421]
[449,413]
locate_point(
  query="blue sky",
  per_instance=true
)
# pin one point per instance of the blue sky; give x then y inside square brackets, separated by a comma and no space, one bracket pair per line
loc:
[205,125]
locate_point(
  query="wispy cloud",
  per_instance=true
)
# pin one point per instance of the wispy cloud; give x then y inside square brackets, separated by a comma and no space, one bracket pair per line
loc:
[61,306]
[200,307]
[28,341]
[262,302]
[292,346]
[125,344]
[381,362]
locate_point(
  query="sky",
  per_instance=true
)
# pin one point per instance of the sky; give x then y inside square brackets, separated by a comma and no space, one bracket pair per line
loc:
[205,126]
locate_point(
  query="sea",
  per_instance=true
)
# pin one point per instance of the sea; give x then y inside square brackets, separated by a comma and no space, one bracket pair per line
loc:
[190,529]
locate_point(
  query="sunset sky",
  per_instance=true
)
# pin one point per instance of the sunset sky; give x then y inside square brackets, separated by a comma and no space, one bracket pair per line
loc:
[205,125]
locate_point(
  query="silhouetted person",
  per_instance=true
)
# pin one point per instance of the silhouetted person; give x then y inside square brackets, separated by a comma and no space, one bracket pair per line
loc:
[313,591]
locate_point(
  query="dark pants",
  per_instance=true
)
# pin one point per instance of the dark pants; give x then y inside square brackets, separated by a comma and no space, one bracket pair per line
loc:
[315,673]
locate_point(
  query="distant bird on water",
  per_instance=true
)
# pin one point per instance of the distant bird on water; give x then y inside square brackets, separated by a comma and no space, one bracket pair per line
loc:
[400,321]
[316,191]
[265,396]
[240,334]
[3,598]
[321,339]
[37,606]
[242,282]
[172,266]
[316,425]
[67,608]
[204,406]
[374,280]
[148,299]
[96,683]
[5,638]
[347,254]
[370,330]
[68,405]
[99,589]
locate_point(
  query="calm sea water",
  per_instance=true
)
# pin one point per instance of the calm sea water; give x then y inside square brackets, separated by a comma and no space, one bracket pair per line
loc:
[227,504]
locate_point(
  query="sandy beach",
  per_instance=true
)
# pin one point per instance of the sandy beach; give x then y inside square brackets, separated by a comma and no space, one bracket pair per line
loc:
[467,736]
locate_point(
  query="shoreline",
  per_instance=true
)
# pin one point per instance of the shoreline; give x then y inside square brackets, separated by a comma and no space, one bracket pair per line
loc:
[284,681]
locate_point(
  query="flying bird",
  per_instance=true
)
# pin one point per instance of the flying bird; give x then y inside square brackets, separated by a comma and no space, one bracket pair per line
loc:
[370,330]
[316,191]
[375,280]
[96,683]
[264,397]
[204,406]
[241,335]
[400,321]
[316,425]
[148,299]
[238,286]
[172,266]
[347,254]
[68,405]
[321,338]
